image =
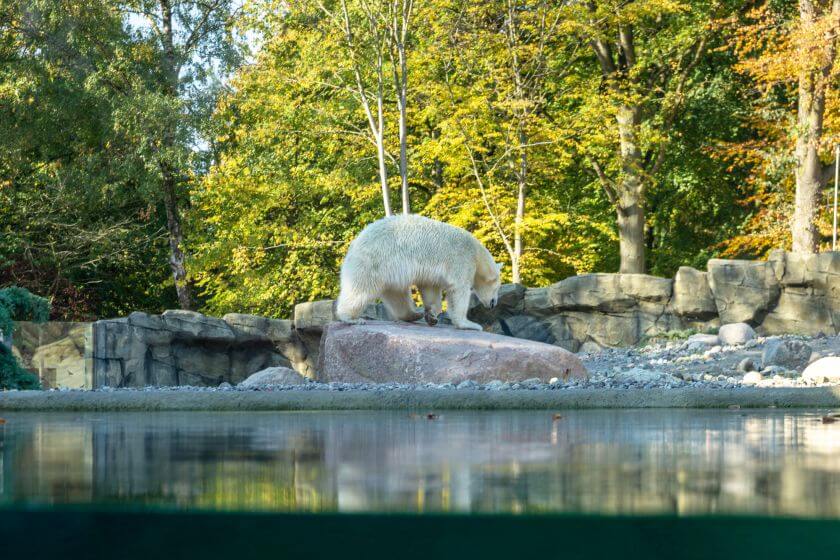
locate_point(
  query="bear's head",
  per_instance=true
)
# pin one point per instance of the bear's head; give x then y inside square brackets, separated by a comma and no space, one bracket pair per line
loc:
[487,284]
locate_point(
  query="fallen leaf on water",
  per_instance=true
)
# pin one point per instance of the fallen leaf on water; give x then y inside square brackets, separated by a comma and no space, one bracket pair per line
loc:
[557,417]
[829,419]
[2,420]
[432,416]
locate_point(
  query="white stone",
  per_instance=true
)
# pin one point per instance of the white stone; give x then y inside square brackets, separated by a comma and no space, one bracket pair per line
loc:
[736,334]
[824,370]
[274,376]
[752,378]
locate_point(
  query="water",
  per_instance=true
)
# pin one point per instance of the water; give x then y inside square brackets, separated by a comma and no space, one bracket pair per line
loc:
[684,463]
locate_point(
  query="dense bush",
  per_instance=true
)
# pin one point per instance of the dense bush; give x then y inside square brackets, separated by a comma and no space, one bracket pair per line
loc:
[18,304]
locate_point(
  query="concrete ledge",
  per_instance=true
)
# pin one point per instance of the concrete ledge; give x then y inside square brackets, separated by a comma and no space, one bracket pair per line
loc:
[429,399]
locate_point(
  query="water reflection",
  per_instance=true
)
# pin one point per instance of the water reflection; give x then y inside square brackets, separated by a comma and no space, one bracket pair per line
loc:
[681,462]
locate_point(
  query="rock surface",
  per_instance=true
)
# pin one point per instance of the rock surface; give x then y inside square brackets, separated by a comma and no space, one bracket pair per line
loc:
[789,354]
[736,334]
[824,370]
[274,376]
[381,352]
[188,348]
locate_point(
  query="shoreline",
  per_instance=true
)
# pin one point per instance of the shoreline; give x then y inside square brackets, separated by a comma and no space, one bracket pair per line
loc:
[419,399]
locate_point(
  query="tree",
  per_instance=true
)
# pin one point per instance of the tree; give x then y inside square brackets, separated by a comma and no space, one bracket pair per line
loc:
[190,36]
[647,52]
[790,52]
[816,47]
[79,218]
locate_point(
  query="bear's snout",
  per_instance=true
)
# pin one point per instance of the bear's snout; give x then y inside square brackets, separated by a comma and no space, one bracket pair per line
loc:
[493,302]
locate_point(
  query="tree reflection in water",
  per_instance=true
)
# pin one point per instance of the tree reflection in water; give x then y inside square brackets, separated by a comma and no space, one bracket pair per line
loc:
[630,462]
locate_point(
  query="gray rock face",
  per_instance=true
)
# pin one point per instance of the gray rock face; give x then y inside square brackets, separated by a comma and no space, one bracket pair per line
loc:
[511,303]
[380,352]
[736,334]
[789,354]
[609,309]
[824,370]
[692,296]
[188,348]
[524,326]
[810,299]
[744,291]
[274,376]
[315,315]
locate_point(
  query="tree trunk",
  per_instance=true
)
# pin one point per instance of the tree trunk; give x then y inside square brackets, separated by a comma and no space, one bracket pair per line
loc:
[401,100]
[176,241]
[809,170]
[170,176]
[520,210]
[630,193]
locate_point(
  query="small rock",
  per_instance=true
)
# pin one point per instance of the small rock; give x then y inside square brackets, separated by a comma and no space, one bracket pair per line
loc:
[590,347]
[274,376]
[705,339]
[788,353]
[736,334]
[468,384]
[824,370]
[747,364]
[752,377]
[553,381]
[494,385]
[225,386]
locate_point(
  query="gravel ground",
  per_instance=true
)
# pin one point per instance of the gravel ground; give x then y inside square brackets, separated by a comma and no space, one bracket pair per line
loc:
[683,363]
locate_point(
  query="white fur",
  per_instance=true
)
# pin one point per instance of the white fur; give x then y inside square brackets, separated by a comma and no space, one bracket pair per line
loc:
[393,254]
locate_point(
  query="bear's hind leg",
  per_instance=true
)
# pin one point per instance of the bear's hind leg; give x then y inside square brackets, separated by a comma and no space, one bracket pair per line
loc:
[459,302]
[349,308]
[432,303]
[400,306]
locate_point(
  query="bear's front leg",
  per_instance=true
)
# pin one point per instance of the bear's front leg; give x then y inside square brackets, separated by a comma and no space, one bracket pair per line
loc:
[459,303]
[432,303]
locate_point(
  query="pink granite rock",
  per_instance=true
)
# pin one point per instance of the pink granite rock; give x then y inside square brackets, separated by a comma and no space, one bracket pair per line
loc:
[386,352]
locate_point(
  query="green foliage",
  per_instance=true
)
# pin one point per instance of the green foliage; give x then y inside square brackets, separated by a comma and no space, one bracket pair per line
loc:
[18,304]
[276,170]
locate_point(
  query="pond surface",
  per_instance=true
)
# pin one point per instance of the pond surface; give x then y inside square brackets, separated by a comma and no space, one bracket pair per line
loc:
[774,462]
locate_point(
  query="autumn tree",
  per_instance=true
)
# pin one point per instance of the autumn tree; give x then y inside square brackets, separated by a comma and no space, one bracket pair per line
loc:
[790,52]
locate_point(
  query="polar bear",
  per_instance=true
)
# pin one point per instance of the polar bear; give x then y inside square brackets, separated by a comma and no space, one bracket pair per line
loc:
[395,253]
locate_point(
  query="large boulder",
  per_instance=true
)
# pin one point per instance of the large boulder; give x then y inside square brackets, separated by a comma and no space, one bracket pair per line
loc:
[744,291]
[273,376]
[609,293]
[824,370]
[381,352]
[736,334]
[810,299]
[787,353]
[692,296]
[190,324]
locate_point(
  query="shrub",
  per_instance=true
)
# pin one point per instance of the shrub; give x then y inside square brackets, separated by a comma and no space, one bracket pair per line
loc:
[18,304]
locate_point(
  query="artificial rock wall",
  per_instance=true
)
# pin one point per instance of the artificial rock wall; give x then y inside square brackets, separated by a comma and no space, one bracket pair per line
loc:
[785,294]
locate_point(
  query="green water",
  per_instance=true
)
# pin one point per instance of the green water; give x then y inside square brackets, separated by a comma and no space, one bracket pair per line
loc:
[769,463]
